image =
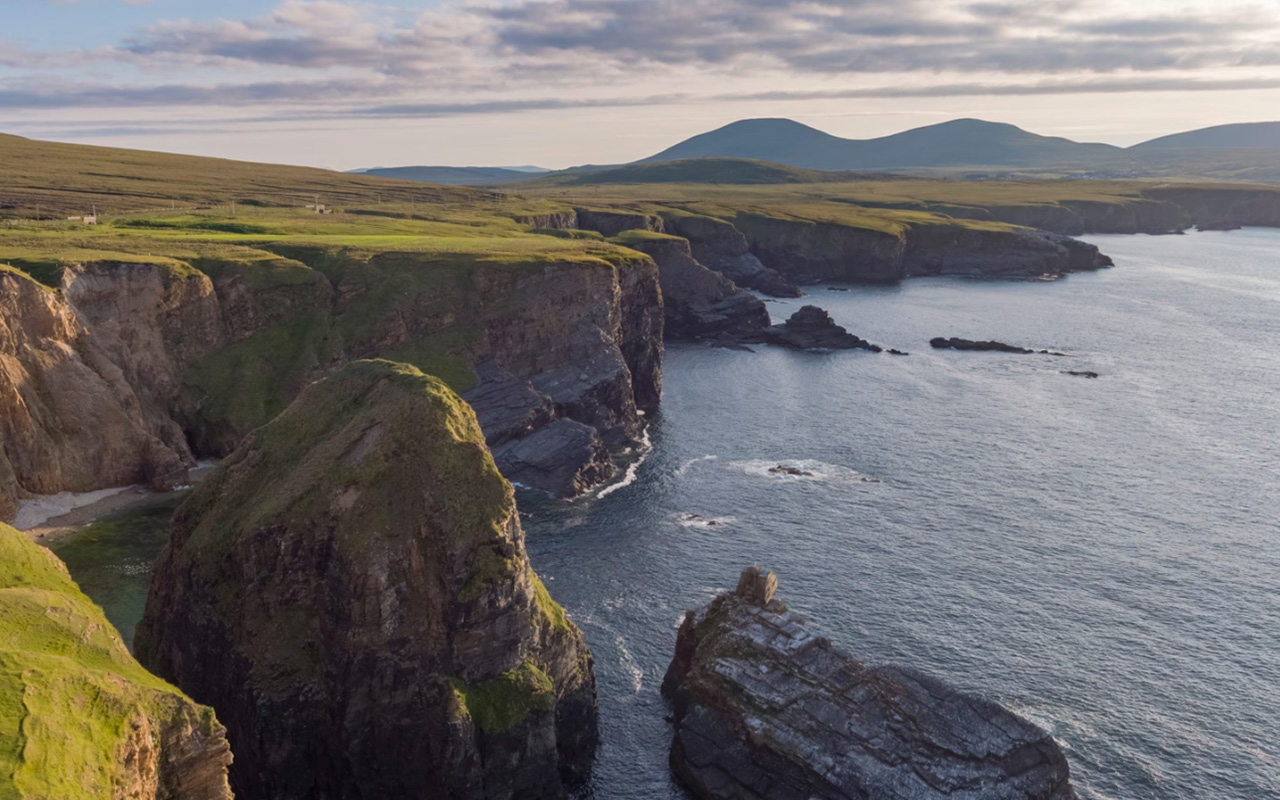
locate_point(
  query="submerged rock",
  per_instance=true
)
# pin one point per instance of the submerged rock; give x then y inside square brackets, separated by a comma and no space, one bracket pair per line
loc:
[943,343]
[812,328]
[766,710]
[79,718]
[350,590]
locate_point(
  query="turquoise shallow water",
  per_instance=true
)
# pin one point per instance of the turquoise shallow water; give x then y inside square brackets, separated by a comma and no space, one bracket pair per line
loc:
[1101,555]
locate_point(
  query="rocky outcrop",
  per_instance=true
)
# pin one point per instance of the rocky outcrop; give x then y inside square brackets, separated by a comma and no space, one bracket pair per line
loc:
[698,302]
[1222,206]
[612,223]
[71,417]
[812,328]
[944,343]
[723,248]
[1078,217]
[766,709]
[807,250]
[948,250]
[81,718]
[129,370]
[350,589]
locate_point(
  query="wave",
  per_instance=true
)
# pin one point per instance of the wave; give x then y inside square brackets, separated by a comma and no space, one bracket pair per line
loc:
[685,466]
[643,448]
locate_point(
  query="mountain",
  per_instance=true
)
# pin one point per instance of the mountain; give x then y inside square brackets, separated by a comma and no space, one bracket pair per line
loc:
[1244,135]
[456,176]
[739,171]
[958,143]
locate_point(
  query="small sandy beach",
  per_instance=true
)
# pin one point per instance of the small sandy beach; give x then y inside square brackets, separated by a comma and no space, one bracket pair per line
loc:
[49,519]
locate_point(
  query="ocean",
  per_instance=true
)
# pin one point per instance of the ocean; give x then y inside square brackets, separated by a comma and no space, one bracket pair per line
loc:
[1101,555]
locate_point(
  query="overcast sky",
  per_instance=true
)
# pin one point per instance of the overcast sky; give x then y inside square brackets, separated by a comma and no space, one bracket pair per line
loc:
[563,82]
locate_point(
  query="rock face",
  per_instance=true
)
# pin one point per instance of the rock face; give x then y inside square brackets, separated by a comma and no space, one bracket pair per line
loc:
[812,328]
[128,371]
[83,371]
[943,343]
[698,302]
[807,251]
[766,709]
[723,248]
[81,718]
[350,589]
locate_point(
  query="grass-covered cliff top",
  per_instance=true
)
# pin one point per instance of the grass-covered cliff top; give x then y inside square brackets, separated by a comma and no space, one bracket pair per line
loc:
[883,205]
[69,690]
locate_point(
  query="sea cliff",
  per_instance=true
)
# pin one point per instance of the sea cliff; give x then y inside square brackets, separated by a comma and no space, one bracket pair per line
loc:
[350,590]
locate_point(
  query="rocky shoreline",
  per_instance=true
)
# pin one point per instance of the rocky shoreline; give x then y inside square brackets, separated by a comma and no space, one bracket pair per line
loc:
[764,708]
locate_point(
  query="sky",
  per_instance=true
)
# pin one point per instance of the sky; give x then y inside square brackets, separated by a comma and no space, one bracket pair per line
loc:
[557,83]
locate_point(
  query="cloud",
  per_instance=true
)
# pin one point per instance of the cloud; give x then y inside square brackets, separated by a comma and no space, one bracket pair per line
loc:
[377,59]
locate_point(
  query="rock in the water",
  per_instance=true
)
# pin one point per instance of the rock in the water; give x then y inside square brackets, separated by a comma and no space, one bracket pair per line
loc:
[812,328]
[783,469]
[350,590]
[79,718]
[766,710]
[943,343]
[1080,373]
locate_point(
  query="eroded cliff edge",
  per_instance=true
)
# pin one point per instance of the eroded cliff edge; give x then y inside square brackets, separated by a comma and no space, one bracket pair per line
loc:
[79,718]
[350,590]
[127,369]
[766,709]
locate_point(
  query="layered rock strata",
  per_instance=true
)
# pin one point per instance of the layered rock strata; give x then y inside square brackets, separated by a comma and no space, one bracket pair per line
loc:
[698,302]
[350,589]
[84,372]
[128,371]
[79,718]
[765,709]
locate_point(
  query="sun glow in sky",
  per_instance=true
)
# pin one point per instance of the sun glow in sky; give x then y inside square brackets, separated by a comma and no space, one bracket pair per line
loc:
[563,82]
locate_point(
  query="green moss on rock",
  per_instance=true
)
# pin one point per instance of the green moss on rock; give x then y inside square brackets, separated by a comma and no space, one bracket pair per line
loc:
[502,702]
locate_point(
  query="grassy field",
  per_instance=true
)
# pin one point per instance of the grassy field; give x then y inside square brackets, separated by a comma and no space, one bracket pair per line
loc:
[52,181]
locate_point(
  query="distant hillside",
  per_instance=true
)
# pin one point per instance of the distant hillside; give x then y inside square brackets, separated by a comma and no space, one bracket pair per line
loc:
[454,176]
[1246,135]
[51,178]
[738,171]
[959,143]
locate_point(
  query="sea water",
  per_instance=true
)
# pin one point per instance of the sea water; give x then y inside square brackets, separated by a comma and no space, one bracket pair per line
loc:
[1101,555]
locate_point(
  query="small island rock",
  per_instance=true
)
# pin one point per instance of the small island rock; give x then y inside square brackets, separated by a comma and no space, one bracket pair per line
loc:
[766,710]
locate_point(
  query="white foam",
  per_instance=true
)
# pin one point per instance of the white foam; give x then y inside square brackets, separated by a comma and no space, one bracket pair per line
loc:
[690,520]
[36,511]
[628,663]
[685,466]
[816,471]
[632,471]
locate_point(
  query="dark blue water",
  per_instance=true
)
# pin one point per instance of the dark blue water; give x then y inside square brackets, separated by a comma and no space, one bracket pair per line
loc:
[1101,555]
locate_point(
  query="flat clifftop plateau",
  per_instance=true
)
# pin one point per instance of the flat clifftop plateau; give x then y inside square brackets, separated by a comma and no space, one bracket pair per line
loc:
[766,709]
[79,718]
[350,590]
[122,366]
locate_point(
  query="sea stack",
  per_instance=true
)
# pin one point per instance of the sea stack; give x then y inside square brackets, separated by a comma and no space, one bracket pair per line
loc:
[766,709]
[350,590]
[79,718]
